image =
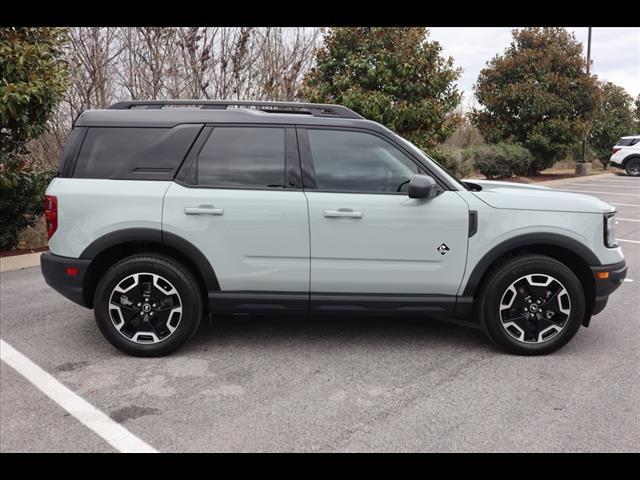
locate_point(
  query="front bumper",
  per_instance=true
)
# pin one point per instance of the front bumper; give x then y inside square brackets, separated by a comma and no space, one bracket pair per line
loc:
[65,275]
[607,279]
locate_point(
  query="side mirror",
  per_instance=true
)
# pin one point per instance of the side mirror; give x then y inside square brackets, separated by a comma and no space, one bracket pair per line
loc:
[423,186]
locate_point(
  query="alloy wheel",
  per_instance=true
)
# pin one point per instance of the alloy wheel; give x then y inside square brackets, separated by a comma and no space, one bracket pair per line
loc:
[145,308]
[535,308]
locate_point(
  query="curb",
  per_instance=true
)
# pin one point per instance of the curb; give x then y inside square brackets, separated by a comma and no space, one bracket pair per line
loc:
[575,179]
[18,262]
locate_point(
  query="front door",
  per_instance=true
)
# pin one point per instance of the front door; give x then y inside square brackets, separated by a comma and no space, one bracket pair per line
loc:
[367,235]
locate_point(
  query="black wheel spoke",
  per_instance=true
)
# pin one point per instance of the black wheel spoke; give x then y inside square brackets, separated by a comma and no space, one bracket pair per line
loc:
[521,321]
[544,323]
[150,321]
[554,294]
[127,307]
[167,303]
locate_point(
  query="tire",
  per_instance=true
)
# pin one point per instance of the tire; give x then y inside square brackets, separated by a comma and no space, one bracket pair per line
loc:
[516,289]
[148,305]
[632,167]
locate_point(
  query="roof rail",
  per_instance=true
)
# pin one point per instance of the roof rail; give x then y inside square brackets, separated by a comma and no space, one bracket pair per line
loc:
[315,109]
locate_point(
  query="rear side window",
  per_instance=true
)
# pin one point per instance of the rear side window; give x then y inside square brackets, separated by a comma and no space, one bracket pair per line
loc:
[134,153]
[627,142]
[243,157]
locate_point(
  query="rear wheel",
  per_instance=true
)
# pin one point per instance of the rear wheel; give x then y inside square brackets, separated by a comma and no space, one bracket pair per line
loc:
[148,305]
[531,305]
[632,167]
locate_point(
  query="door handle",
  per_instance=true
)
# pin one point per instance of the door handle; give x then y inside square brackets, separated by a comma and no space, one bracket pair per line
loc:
[342,213]
[203,210]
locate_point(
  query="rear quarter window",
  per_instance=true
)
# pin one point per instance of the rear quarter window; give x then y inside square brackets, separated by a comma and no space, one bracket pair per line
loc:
[70,151]
[134,153]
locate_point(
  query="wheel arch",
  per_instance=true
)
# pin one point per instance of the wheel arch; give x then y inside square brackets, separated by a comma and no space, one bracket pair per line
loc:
[112,247]
[566,250]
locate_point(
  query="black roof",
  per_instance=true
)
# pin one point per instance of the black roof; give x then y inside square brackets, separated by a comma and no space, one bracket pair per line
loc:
[168,113]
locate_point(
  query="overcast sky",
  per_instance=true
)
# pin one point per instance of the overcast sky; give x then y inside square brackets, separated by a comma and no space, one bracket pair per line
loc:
[615,53]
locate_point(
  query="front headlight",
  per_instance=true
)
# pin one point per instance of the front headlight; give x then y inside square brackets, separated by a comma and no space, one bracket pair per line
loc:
[610,230]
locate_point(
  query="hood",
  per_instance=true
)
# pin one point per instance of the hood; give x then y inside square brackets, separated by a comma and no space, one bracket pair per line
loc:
[519,196]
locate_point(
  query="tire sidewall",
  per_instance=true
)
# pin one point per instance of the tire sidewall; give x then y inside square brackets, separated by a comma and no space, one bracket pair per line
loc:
[174,273]
[509,273]
[628,165]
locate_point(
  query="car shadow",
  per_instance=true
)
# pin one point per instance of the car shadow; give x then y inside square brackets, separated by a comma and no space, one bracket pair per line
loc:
[369,331]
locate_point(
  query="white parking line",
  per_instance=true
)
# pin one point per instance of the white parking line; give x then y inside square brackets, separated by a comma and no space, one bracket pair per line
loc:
[628,280]
[112,432]
[636,187]
[624,204]
[628,241]
[603,193]
[628,219]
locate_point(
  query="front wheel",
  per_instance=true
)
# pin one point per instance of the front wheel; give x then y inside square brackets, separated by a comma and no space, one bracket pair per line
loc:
[148,305]
[531,305]
[632,167]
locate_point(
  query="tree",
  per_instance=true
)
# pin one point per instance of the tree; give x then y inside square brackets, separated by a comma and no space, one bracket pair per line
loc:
[537,94]
[613,119]
[394,76]
[637,112]
[32,83]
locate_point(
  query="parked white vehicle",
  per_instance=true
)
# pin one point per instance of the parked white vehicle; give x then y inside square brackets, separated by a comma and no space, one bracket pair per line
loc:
[626,155]
[160,216]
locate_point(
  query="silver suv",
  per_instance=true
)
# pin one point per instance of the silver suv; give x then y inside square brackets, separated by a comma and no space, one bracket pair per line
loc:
[165,212]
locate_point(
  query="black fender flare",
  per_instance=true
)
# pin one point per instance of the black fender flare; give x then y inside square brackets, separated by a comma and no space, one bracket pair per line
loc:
[527,239]
[172,240]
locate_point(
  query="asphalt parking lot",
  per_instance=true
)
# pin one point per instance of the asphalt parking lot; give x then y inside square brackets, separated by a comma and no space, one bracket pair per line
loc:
[269,384]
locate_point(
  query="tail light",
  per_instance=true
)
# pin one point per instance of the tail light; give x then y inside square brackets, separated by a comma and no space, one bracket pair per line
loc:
[51,214]
[615,149]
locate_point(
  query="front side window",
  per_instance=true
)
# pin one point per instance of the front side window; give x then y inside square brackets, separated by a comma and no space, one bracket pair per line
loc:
[358,162]
[243,157]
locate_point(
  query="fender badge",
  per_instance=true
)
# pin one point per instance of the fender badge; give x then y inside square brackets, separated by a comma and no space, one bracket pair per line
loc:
[443,249]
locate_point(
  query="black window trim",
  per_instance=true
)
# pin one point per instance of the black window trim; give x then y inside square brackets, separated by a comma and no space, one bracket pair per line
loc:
[292,174]
[309,179]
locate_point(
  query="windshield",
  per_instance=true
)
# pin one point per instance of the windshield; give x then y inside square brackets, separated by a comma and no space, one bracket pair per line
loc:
[428,160]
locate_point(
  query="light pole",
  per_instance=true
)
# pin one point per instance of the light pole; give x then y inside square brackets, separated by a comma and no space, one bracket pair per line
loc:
[583,168]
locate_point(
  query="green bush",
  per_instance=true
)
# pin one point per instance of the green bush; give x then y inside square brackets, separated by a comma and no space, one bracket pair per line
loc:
[501,160]
[455,161]
[21,199]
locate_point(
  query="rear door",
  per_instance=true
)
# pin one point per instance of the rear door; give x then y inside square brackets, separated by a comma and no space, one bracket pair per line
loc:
[238,199]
